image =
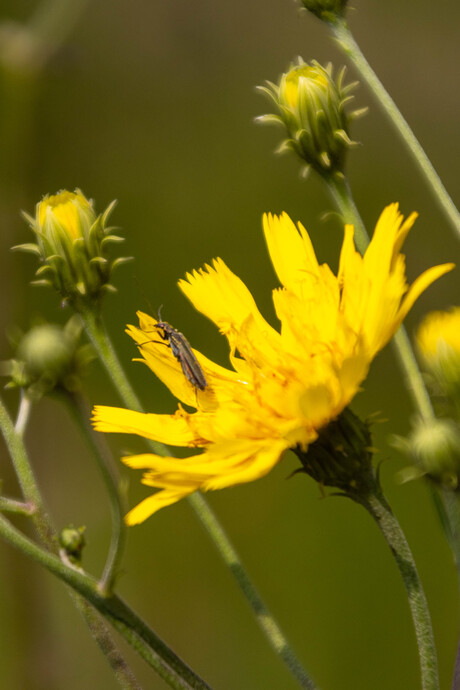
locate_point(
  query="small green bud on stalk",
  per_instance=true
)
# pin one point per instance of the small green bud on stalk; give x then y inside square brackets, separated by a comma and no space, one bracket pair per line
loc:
[327,10]
[48,358]
[72,541]
[310,105]
[434,448]
[72,243]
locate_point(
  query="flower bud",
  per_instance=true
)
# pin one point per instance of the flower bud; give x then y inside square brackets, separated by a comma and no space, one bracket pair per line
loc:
[72,540]
[438,340]
[49,357]
[311,107]
[434,448]
[71,243]
[327,10]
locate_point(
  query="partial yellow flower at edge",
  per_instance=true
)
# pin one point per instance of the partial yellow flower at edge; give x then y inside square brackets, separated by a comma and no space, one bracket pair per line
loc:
[440,330]
[285,385]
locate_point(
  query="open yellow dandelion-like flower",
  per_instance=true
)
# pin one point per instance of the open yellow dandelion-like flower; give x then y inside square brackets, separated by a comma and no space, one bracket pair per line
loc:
[284,385]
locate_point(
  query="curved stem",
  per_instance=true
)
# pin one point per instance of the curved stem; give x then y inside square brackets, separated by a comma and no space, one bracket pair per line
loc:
[47,534]
[80,411]
[376,504]
[169,666]
[450,518]
[415,384]
[348,44]
[100,340]
[26,479]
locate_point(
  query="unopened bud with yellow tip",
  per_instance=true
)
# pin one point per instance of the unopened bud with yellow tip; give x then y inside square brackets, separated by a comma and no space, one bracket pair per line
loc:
[310,106]
[72,245]
[327,10]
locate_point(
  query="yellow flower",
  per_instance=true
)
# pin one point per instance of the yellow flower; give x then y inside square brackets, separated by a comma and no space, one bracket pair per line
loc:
[440,333]
[285,385]
[438,339]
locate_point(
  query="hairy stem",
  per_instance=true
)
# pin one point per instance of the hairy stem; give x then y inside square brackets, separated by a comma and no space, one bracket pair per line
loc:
[80,411]
[349,46]
[376,504]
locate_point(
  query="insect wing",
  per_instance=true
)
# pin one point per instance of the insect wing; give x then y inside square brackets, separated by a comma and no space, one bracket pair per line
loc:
[183,352]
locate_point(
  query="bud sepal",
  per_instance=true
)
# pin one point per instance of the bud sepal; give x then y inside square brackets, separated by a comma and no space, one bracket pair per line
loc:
[326,10]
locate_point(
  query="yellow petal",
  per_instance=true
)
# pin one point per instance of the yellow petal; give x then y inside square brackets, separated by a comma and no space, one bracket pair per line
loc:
[164,428]
[221,296]
[150,505]
[291,250]
[253,461]
[420,285]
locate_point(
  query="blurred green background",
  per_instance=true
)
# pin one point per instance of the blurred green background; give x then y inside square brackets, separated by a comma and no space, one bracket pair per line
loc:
[152,103]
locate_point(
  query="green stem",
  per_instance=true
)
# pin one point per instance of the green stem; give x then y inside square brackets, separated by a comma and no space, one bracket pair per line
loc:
[266,621]
[447,504]
[340,191]
[48,536]
[376,504]
[348,44]
[80,411]
[169,666]
[26,478]
[10,505]
[101,342]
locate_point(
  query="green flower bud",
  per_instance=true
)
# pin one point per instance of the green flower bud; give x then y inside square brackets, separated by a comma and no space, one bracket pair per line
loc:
[72,243]
[341,456]
[72,540]
[49,357]
[311,107]
[327,10]
[434,448]
[438,340]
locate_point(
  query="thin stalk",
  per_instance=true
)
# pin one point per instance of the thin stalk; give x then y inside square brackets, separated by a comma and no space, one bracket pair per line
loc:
[264,618]
[169,666]
[80,411]
[103,346]
[47,534]
[348,44]
[451,516]
[26,478]
[10,505]
[340,191]
[376,504]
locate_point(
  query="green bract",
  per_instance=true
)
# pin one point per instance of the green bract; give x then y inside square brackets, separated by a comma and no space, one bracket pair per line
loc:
[327,10]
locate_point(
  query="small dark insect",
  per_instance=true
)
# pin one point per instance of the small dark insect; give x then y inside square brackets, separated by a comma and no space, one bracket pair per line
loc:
[182,351]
